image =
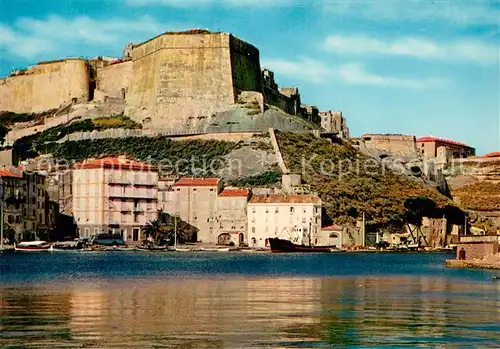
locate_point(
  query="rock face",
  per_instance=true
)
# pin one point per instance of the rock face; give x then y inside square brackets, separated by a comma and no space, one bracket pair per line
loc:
[475,185]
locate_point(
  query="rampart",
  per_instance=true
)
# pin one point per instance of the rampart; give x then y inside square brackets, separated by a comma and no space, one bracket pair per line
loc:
[396,144]
[113,80]
[177,78]
[45,86]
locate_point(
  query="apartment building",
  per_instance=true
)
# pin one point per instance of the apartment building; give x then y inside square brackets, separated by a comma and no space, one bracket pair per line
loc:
[194,200]
[291,217]
[27,209]
[114,195]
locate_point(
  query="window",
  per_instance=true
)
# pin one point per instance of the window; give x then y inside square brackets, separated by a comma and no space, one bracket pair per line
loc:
[267,210]
[253,210]
[291,210]
[253,229]
[211,190]
[277,210]
[18,219]
[303,219]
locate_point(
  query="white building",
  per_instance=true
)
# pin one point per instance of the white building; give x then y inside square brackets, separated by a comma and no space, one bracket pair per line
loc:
[287,216]
[114,195]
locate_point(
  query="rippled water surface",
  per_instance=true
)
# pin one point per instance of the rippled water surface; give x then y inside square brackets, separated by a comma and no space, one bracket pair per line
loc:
[238,300]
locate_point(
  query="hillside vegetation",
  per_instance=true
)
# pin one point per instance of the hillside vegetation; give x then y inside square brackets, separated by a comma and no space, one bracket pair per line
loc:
[193,157]
[30,146]
[481,196]
[350,183]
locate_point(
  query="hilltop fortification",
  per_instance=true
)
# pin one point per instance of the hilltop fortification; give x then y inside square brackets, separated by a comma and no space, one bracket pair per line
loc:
[184,81]
[45,86]
[177,76]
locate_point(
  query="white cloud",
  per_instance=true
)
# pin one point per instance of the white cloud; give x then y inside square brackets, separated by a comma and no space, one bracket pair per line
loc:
[306,69]
[463,49]
[356,73]
[465,13]
[317,72]
[58,37]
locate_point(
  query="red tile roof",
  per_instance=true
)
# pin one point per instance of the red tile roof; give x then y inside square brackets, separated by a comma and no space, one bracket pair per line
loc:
[197,182]
[333,227]
[285,199]
[495,154]
[234,193]
[115,163]
[7,173]
[442,140]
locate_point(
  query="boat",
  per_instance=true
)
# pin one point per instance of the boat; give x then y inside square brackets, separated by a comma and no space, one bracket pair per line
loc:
[280,245]
[151,248]
[182,249]
[33,246]
[216,249]
[67,246]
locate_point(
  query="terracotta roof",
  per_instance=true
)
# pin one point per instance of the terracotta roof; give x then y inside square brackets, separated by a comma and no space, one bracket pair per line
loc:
[197,182]
[442,140]
[7,173]
[115,163]
[285,199]
[234,193]
[333,227]
[495,154]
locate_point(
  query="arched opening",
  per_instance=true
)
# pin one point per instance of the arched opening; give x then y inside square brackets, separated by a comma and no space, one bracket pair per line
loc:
[224,239]
[241,239]
[254,241]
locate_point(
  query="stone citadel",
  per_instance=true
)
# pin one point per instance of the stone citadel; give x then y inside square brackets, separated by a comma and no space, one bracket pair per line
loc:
[177,81]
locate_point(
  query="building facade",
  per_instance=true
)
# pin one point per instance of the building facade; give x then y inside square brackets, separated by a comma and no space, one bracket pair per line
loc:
[288,216]
[194,200]
[28,212]
[114,195]
[334,122]
[231,216]
[433,147]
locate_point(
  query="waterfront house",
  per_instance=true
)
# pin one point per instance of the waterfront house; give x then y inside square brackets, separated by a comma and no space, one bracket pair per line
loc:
[231,216]
[291,217]
[114,195]
[194,200]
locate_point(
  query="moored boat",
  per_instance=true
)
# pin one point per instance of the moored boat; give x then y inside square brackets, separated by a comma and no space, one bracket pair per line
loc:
[33,246]
[67,246]
[280,245]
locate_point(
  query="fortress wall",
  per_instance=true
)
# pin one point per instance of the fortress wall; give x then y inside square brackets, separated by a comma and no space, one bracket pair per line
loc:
[113,78]
[45,86]
[397,144]
[274,97]
[178,79]
[245,66]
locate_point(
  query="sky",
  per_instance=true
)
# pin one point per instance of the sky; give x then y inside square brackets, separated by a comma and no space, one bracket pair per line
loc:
[411,67]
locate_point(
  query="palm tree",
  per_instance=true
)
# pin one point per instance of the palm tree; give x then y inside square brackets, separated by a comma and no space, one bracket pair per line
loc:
[155,230]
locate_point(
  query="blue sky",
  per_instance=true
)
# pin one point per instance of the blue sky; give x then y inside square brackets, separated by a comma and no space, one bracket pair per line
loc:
[413,67]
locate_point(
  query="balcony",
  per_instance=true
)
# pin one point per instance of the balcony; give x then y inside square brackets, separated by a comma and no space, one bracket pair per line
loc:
[118,181]
[132,196]
[113,223]
[143,183]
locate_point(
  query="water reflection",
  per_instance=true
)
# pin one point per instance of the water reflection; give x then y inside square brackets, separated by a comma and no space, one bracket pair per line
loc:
[230,313]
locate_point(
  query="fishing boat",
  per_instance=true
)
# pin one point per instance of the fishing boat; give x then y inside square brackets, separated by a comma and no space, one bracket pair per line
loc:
[280,245]
[33,246]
